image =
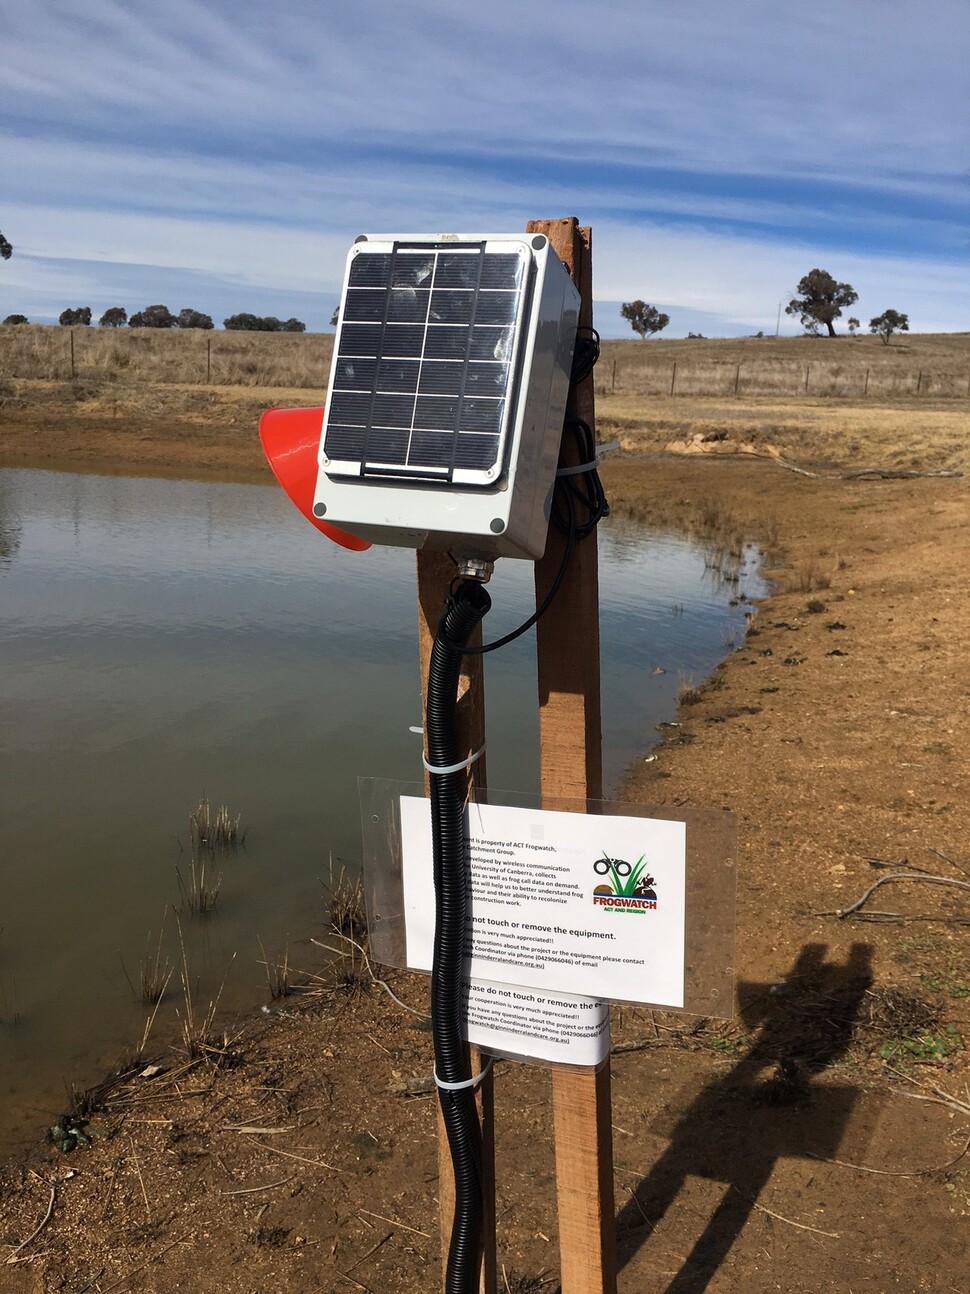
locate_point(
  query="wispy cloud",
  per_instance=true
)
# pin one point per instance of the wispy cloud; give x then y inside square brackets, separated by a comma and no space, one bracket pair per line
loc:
[242,145]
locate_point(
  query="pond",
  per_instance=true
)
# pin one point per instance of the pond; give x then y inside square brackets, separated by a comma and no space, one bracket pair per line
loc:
[165,639]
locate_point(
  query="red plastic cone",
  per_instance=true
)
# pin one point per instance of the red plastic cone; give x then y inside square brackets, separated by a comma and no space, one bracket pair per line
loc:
[290,440]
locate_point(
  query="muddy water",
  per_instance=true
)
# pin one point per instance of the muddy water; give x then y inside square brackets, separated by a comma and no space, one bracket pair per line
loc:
[160,639]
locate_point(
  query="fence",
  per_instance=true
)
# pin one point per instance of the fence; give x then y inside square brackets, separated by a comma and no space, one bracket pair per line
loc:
[778,377]
[194,357]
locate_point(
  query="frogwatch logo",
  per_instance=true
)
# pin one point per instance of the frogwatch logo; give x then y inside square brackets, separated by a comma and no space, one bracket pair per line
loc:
[629,888]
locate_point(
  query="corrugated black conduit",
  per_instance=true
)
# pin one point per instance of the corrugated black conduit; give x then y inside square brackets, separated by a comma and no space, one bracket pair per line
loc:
[465,608]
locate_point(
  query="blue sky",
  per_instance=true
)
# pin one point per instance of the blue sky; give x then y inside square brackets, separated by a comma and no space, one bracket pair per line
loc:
[223,154]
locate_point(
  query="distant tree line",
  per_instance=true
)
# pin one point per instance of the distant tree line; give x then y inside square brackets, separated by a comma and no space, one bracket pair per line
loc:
[818,301]
[268,323]
[159,316]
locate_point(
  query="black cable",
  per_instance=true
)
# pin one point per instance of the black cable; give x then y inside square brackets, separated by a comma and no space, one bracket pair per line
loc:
[466,605]
[543,607]
[586,352]
[579,501]
[464,611]
[583,490]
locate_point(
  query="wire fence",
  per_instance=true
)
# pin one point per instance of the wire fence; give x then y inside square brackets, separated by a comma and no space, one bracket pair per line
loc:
[193,357]
[302,360]
[782,378]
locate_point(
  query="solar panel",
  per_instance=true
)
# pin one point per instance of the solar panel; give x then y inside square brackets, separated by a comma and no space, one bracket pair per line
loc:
[421,386]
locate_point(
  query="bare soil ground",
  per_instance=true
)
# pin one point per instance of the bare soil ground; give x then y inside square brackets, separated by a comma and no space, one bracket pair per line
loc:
[821,1140]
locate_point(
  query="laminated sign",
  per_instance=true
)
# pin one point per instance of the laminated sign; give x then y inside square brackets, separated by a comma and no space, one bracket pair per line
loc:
[561,903]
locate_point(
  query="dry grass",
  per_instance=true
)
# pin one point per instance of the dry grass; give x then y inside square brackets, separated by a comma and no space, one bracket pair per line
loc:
[142,396]
[924,434]
[199,892]
[844,367]
[345,902]
[688,693]
[277,971]
[809,576]
[197,1027]
[211,834]
[161,355]
[155,971]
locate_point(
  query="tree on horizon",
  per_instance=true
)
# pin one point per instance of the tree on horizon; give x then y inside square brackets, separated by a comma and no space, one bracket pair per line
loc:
[645,320]
[819,300]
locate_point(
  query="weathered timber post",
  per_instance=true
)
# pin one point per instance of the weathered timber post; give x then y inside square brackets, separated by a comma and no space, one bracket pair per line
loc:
[571,766]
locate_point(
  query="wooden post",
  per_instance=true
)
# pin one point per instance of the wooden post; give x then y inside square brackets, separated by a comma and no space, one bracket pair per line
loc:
[737,379]
[673,376]
[435,573]
[571,765]
[73,370]
[208,360]
[865,389]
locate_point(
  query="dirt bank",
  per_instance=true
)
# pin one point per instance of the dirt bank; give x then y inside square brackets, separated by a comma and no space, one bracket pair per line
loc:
[785,1151]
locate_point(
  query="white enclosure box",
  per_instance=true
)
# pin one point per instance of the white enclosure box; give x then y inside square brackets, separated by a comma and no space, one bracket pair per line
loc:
[447,393]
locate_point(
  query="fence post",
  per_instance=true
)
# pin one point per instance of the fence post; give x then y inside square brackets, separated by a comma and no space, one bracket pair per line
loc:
[570,766]
[919,383]
[673,377]
[808,369]
[73,371]
[865,389]
[613,380]
[737,378]
[208,360]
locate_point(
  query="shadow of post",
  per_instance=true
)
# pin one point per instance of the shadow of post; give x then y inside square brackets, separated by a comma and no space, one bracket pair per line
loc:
[764,1109]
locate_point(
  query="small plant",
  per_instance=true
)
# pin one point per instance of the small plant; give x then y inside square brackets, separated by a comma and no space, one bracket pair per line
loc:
[923,1046]
[688,694]
[712,516]
[345,903]
[809,576]
[514,1282]
[277,972]
[815,606]
[947,984]
[198,1038]
[200,893]
[214,833]
[154,972]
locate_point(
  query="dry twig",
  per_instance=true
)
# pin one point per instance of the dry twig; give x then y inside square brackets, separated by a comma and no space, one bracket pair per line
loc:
[251,1190]
[370,971]
[288,1154]
[891,1172]
[925,877]
[393,1221]
[12,1258]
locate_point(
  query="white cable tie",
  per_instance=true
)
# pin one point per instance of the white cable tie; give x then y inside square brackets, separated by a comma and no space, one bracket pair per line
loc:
[416,727]
[466,1082]
[581,467]
[589,467]
[453,768]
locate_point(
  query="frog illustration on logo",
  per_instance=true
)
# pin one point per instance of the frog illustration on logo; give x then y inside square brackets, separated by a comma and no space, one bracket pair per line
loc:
[631,887]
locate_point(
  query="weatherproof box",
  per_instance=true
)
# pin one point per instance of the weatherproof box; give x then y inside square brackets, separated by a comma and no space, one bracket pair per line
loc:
[447,393]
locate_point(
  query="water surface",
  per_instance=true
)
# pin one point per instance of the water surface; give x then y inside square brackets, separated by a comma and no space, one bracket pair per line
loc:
[160,639]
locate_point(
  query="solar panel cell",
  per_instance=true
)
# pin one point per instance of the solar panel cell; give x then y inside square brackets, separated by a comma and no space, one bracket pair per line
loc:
[423,356]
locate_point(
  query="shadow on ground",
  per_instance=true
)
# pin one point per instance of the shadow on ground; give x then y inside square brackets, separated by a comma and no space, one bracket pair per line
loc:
[766,1108]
